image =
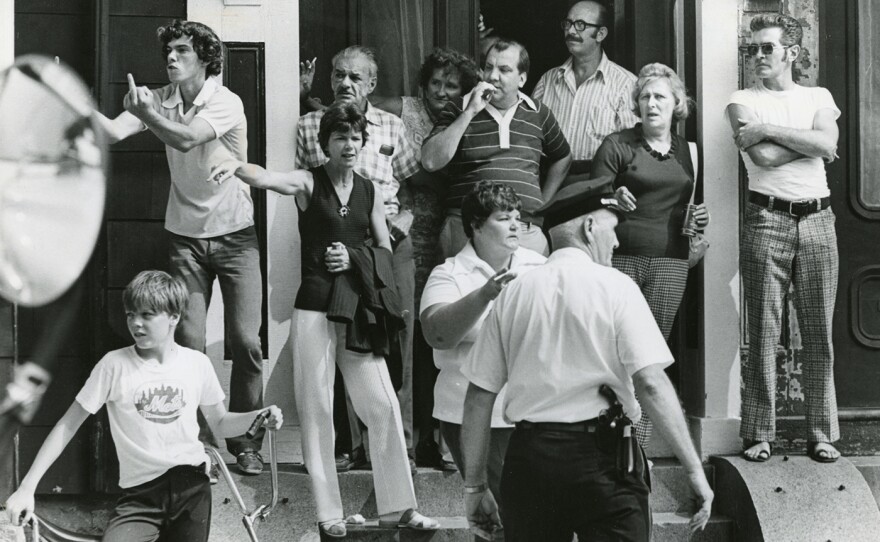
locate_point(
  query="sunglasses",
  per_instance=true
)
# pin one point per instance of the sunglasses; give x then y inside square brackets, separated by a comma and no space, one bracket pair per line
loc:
[578,25]
[765,48]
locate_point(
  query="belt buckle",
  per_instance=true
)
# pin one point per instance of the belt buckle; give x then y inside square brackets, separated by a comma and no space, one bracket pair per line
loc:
[792,205]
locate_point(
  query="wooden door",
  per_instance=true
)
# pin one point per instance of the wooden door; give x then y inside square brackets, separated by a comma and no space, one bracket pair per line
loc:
[851,43]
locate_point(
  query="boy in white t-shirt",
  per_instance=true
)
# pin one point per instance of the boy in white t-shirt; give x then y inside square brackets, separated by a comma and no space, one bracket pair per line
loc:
[152,390]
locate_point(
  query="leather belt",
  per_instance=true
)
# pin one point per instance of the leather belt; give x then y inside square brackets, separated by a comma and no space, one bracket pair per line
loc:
[795,208]
[587,426]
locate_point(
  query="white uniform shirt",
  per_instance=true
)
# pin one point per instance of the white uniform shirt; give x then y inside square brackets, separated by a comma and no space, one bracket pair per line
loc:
[197,208]
[152,409]
[561,331]
[448,283]
[799,179]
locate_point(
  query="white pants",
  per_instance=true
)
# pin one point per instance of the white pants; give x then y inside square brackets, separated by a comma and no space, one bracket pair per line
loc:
[319,345]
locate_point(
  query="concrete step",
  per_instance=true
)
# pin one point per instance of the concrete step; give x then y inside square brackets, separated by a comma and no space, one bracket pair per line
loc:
[869,468]
[669,527]
[439,495]
[670,491]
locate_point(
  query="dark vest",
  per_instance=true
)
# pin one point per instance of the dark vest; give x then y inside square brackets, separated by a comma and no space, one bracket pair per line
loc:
[320,225]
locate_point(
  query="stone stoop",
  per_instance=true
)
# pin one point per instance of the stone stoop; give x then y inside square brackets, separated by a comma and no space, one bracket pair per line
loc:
[869,467]
[439,495]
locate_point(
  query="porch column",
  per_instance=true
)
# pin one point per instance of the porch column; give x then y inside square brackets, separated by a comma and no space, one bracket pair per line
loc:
[716,431]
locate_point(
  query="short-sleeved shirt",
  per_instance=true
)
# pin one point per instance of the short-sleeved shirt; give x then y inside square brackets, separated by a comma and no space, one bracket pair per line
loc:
[799,179]
[662,186]
[601,105]
[559,332]
[505,148]
[197,208]
[388,159]
[448,283]
[152,409]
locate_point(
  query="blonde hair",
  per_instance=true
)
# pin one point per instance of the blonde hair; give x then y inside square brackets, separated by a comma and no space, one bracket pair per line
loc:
[653,72]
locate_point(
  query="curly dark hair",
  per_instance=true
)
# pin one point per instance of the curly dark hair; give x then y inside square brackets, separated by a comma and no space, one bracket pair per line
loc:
[206,44]
[450,61]
[792,32]
[341,117]
[486,198]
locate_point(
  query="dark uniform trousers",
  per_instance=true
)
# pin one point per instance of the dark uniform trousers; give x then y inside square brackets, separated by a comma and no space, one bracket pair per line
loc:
[557,483]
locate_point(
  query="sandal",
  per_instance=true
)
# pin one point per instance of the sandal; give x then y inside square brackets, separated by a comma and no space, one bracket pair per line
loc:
[763,455]
[411,520]
[334,528]
[825,455]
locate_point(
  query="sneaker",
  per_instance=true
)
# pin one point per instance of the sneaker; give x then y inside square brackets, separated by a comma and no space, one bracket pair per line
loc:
[250,462]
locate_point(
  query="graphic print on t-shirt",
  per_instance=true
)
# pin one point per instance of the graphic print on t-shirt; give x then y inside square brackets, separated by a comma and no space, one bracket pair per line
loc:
[160,401]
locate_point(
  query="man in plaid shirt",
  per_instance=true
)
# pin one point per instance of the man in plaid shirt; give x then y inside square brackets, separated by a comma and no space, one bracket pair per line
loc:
[388,160]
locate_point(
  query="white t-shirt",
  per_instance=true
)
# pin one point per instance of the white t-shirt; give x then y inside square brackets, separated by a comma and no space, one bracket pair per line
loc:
[152,409]
[796,108]
[558,333]
[197,208]
[449,282]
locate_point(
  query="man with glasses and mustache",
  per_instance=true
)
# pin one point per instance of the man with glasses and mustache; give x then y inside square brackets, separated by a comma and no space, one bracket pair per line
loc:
[784,132]
[589,94]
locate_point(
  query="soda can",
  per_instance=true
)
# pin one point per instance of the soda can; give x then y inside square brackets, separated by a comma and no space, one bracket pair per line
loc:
[689,224]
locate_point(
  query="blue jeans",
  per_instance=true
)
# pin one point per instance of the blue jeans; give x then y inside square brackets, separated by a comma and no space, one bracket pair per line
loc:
[234,260]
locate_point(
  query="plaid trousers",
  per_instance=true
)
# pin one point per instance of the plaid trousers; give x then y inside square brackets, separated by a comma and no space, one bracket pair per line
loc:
[662,282]
[777,249]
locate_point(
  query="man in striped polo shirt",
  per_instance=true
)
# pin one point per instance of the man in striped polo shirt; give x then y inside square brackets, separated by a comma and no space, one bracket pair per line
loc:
[498,133]
[590,95]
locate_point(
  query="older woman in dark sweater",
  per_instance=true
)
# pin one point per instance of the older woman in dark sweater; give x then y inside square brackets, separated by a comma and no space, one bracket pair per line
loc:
[651,168]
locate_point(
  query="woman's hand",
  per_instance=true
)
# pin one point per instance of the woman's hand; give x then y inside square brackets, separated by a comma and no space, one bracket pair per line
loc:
[336,258]
[494,285]
[220,173]
[626,202]
[701,216]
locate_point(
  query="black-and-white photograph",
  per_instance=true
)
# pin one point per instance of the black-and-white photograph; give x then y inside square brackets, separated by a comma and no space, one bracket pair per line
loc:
[449,270]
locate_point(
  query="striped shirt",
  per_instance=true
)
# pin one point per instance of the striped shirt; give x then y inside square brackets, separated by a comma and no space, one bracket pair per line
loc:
[601,105]
[505,148]
[387,158]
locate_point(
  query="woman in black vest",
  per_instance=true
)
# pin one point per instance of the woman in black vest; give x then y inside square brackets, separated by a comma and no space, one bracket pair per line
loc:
[338,210]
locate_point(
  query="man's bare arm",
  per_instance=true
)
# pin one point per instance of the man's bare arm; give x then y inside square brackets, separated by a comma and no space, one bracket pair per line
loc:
[658,398]
[763,153]
[556,173]
[439,149]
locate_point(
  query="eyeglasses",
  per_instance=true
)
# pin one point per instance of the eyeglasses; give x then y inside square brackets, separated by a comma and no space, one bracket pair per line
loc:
[578,25]
[765,48]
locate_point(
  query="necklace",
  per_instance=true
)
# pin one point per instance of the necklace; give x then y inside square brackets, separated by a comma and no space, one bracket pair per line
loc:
[343,209]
